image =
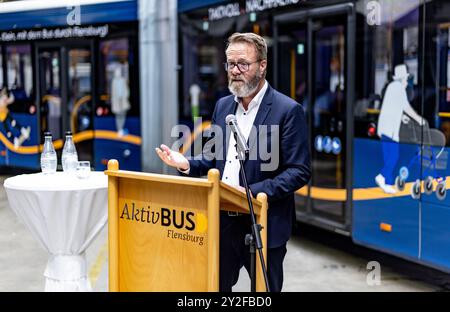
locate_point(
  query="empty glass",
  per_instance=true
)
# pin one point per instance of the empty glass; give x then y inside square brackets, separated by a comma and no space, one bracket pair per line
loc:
[83,169]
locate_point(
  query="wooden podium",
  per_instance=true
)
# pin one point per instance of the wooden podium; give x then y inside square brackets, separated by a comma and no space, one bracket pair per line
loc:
[164,230]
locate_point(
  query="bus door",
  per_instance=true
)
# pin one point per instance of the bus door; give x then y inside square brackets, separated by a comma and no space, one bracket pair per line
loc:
[434,200]
[65,85]
[50,91]
[387,151]
[314,47]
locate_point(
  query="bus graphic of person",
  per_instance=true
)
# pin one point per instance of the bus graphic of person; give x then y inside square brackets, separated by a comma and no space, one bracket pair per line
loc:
[395,110]
[11,126]
[120,102]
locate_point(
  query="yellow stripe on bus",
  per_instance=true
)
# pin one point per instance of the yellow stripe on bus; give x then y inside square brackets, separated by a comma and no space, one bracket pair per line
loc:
[77,137]
[361,193]
[23,149]
[113,135]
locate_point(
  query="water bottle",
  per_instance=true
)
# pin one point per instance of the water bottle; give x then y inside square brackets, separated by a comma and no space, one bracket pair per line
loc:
[69,157]
[48,156]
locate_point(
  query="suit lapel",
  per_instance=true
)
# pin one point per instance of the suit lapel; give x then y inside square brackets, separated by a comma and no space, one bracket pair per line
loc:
[230,108]
[261,116]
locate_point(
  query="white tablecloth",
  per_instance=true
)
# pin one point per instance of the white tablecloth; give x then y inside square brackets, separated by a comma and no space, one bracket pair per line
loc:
[64,213]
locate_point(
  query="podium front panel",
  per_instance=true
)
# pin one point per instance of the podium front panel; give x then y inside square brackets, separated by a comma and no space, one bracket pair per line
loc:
[162,236]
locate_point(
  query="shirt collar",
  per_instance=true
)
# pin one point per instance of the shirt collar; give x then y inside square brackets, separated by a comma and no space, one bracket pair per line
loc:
[256,101]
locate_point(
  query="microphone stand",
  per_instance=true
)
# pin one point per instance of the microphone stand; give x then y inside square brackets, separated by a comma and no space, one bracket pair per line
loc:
[253,240]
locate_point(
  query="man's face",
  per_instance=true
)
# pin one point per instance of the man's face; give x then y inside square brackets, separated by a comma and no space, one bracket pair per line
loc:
[243,84]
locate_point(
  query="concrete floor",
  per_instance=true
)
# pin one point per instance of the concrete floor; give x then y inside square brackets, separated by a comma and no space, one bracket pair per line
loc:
[312,265]
[315,261]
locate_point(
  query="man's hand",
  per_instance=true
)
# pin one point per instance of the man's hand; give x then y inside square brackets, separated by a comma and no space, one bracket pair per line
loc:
[172,158]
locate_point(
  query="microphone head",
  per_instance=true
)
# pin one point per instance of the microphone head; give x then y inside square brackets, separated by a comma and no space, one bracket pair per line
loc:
[230,118]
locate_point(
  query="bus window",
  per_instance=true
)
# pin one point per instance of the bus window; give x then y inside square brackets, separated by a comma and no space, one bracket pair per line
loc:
[114,80]
[447,92]
[117,109]
[19,71]
[203,56]
[80,72]
[50,90]
[391,54]
[443,78]
[202,53]
[16,119]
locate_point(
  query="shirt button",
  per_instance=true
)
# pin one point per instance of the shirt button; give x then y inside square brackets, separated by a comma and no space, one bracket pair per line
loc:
[229,161]
[226,178]
[245,113]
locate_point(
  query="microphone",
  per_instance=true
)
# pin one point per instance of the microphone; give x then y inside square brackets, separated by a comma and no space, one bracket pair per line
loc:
[240,140]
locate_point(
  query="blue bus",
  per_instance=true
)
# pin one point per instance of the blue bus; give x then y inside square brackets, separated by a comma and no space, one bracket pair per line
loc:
[373,77]
[70,68]
[374,80]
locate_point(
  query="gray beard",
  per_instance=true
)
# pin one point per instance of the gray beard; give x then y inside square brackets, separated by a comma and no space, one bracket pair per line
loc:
[247,89]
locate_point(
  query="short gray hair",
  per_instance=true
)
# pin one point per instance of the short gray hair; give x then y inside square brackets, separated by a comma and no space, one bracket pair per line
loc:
[253,39]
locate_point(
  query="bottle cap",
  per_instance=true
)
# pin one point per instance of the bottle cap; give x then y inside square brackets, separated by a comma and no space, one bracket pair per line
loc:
[47,133]
[68,132]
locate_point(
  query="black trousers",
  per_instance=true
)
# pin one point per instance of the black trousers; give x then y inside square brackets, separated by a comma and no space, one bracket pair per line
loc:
[234,254]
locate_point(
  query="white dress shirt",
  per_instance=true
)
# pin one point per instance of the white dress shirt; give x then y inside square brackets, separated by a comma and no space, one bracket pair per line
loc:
[245,119]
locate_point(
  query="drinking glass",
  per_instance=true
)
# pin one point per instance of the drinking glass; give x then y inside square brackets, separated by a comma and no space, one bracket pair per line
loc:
[83,169]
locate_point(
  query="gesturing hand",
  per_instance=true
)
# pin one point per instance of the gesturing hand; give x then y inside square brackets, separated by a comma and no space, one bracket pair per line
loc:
[172,158]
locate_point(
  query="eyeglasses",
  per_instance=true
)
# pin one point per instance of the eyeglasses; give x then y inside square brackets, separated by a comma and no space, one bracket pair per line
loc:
[242,66]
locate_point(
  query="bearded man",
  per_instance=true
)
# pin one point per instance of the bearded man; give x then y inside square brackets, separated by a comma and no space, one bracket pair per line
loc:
[256,106]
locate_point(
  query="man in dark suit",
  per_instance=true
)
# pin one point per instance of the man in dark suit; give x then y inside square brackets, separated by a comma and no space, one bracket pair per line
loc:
[278,125]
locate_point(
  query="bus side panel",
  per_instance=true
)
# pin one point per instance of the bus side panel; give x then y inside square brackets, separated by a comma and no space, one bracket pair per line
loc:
[435,235]
[22,157]
[128,154]
[435,167]
[384,221]
[387,224]
[436,212]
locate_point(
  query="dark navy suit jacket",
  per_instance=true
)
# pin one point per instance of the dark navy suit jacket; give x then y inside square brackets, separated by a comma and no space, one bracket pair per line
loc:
[293,169]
